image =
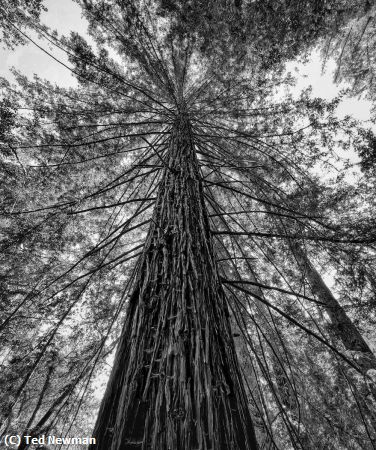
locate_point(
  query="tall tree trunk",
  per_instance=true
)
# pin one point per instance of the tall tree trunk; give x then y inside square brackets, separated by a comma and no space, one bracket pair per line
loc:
[343,327]
[176,383]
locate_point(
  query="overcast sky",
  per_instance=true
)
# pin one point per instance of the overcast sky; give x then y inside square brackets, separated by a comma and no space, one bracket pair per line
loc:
[62,15]
[65,16]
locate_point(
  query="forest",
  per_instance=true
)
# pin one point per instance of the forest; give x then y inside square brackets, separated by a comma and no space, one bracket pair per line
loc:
[188,243]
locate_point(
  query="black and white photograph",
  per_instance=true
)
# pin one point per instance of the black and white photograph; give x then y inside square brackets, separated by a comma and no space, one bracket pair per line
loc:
[188,224]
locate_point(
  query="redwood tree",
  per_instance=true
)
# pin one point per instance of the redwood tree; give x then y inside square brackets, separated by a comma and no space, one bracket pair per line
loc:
[176,383]
[178,148]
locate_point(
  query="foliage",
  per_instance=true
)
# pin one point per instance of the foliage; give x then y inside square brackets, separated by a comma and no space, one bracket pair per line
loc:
[352,48]
[83,168]
[15,16]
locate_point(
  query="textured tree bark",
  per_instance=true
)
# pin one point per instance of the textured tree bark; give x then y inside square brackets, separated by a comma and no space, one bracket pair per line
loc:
[343,327]
[176,382]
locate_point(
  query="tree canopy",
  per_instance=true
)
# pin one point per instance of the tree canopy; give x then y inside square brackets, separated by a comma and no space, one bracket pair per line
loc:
[15,16]
[177,166]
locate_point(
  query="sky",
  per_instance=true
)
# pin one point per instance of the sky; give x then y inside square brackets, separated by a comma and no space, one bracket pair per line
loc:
[323,86]
[62,15]
[65,16]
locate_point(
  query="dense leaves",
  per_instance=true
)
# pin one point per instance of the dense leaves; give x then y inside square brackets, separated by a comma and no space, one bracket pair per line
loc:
[15,16]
